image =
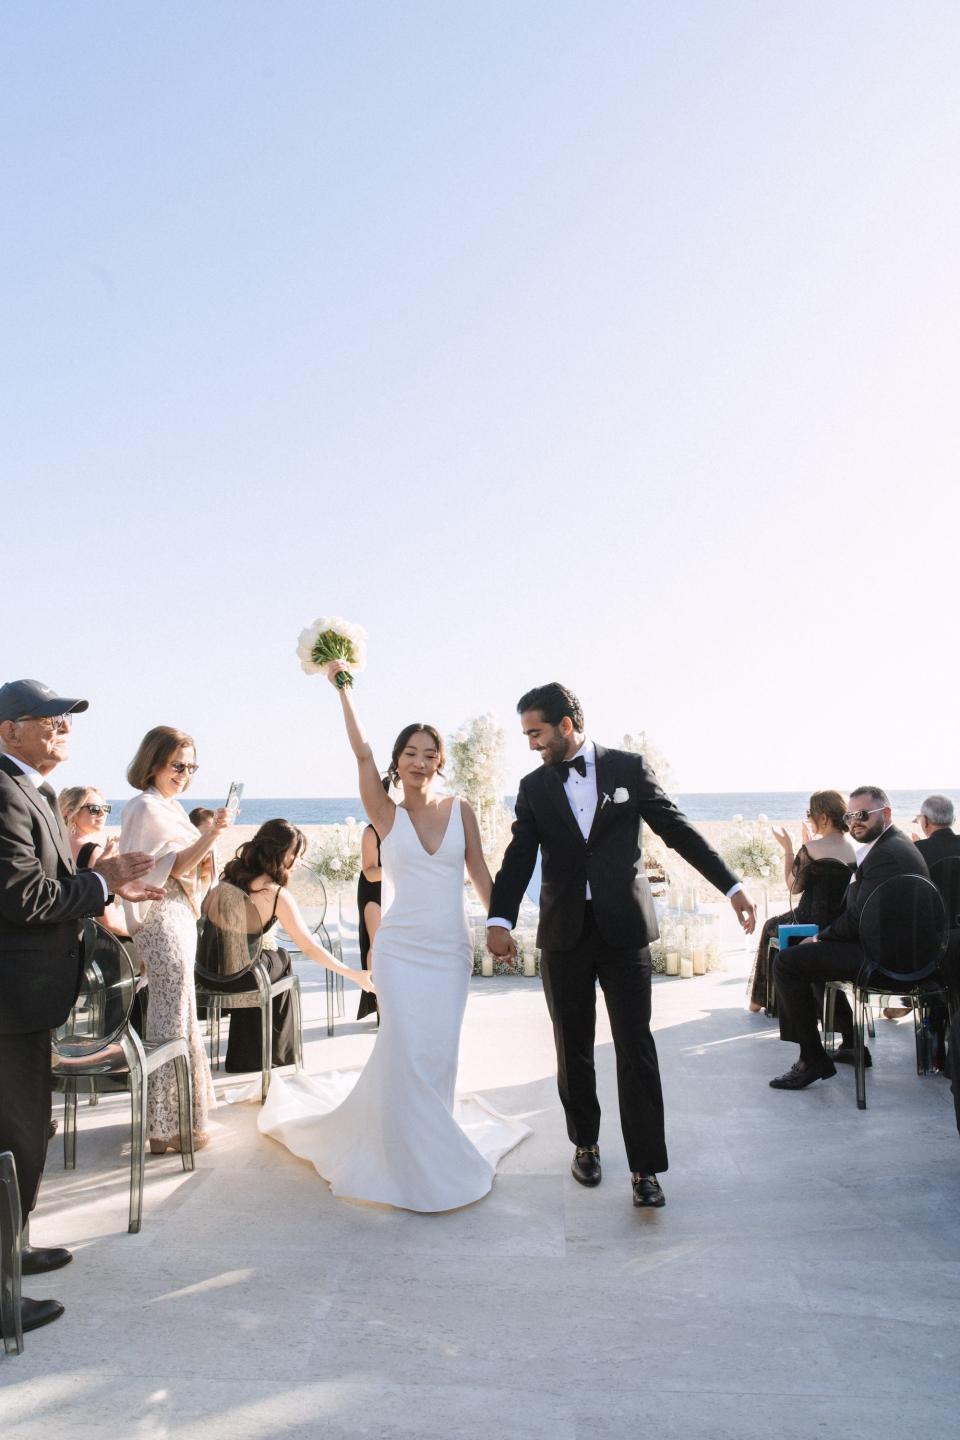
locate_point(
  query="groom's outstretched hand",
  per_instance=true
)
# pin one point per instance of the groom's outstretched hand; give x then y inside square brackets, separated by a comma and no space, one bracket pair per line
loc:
[501,943]
[745,910]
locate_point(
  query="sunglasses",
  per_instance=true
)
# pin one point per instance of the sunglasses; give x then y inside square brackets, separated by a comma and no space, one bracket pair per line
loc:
[97,809]
[49,722]
[852,815]
[180,767]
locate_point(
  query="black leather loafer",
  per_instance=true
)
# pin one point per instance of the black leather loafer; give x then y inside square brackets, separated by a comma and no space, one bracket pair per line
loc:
[799,1076]
[647,1193]
[34,1261]
[585,1165]
[34,1313]
[844,1055]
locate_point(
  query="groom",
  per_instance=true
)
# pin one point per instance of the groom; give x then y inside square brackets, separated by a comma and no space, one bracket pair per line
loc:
[585,811]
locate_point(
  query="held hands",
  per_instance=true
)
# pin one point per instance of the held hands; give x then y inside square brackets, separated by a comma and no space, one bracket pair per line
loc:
[501,943]
[745,910]
[365,980]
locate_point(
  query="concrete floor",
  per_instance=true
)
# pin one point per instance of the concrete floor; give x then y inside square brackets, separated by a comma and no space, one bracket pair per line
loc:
[801,1281]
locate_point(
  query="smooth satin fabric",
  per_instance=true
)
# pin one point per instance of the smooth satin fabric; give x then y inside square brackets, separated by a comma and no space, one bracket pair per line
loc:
[394,1133]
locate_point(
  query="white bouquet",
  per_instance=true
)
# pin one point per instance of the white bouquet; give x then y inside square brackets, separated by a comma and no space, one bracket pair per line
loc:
[332,638]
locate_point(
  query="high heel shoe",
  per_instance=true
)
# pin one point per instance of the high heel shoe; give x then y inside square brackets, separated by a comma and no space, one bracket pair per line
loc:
[159,1147]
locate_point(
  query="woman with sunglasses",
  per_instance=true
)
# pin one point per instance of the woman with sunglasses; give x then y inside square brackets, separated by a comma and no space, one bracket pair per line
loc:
[165,931]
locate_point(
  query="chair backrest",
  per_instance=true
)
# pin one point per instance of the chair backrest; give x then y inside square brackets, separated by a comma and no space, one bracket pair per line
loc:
[231,935]
[945,874]
[108,989]
[903,929]
[10,1228]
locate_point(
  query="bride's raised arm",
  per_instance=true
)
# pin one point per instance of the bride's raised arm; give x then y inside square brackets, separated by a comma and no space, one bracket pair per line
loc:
[379,807]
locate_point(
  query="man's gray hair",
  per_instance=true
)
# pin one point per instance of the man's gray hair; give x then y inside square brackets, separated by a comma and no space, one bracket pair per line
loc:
[878,796]
[938,809]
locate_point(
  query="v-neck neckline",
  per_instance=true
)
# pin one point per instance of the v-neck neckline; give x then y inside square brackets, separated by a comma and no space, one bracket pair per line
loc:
[432,853]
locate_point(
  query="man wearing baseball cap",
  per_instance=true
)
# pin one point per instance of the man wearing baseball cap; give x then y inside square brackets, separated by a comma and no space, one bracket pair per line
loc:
[43,900]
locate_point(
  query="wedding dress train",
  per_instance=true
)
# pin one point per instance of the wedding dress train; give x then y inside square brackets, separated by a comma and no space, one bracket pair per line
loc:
[395,1132]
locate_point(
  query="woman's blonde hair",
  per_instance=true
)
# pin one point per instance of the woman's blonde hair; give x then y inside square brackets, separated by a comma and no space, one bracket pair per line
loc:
[156,749]
[832,804]
[73,798]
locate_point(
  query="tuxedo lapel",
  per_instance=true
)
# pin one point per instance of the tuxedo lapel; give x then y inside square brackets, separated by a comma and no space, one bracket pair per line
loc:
[42,806]
[561,804]
[604,768]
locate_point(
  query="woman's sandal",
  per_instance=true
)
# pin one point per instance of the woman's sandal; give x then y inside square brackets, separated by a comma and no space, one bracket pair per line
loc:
[159,1147]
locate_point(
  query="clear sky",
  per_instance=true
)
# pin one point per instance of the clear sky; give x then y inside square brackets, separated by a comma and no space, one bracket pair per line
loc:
[610,342]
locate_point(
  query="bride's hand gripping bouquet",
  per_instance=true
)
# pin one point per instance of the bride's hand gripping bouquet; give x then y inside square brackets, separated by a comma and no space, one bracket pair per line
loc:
[333,638]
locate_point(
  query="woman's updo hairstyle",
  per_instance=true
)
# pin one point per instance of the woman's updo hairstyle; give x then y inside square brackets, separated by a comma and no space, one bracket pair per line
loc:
[403,740]
[832,804]
[265,854]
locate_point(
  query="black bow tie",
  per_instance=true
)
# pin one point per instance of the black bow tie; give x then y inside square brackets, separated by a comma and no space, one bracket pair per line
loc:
[565,766]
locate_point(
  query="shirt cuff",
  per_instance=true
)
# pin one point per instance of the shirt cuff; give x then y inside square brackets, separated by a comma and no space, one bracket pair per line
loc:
[496,920]
[106,888]
[733,891]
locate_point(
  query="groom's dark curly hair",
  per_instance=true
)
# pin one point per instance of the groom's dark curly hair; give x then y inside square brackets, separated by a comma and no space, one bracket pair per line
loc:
[553,701]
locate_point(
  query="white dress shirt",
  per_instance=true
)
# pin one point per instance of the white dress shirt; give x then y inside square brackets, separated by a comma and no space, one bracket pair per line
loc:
[37,780]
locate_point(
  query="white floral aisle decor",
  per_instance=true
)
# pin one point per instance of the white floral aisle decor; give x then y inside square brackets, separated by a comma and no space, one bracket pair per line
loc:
[752,852]
[335,856]
[333,638]
[476,762]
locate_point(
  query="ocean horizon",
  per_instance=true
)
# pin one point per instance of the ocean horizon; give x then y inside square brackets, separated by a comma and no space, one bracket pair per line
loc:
[700,805]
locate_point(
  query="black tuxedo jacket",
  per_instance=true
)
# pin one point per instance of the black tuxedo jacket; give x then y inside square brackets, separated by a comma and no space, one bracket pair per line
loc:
[892,854]
[42,901]
[938,846]
[610,859]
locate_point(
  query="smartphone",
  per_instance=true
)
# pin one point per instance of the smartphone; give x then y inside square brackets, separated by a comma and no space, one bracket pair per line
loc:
[234,796]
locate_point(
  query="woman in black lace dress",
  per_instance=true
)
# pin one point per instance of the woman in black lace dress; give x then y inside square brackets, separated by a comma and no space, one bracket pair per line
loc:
[817,878]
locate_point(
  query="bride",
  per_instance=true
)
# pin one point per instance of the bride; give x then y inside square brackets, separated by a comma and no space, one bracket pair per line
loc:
[398,1136]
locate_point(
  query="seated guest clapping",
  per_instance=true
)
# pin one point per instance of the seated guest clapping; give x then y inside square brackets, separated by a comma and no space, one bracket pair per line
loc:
[262,868]
[85,813]
[835,954]
[818,874]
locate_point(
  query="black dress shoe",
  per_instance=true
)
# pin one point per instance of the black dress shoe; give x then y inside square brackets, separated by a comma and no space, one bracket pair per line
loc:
[647,1192]
[34,1313]
[34,1261]
[845,1055]
[799,1076]
[585,1165]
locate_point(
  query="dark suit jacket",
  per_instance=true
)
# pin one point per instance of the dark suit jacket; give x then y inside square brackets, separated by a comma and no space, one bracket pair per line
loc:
[42,901]
[938,846]
[610,859]
[892,854]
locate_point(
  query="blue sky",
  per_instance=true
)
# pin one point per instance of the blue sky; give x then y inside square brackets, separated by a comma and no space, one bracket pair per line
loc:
[613,343]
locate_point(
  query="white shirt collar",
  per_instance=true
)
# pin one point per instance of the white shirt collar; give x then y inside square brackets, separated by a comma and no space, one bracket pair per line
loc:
[32,775]
[588,751]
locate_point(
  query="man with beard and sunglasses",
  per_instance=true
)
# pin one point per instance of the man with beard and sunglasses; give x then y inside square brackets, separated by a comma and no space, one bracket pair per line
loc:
[835,954]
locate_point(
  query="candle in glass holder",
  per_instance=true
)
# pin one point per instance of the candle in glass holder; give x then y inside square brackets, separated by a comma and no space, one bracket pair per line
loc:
[672,962]
[686,967]
[699,961]
[529,963]
[486,964]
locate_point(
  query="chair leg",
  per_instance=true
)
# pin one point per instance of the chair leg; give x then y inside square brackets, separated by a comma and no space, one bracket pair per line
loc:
[11,1318]
[70,1125]
[215,1040]
[829,1005]
[297,1024]
[871,1028]
[266,1045]
[181,1067]
[329,987]
[860,1063]
[138,1141]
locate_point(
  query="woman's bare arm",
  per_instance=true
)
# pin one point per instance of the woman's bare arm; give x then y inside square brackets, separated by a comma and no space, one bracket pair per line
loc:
[476,864]
[379,808]
[293,922]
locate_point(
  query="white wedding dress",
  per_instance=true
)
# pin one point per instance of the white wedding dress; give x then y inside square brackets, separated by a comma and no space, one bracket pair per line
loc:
[393,1132]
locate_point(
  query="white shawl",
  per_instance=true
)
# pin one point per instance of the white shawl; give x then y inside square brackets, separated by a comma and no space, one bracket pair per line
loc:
[160,828]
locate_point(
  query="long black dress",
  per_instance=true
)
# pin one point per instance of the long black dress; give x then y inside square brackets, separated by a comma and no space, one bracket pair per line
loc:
[822,885]
[244,1045]
[368,893]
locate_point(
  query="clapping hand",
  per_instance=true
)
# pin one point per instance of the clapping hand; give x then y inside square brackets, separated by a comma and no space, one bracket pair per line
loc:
[782,838]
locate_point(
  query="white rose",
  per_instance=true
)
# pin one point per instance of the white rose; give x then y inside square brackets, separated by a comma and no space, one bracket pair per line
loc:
[335,865]
[620,795]
[738,819]
[762,819]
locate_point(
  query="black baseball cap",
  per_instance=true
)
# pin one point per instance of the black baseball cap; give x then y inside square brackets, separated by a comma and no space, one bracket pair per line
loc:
[20,699]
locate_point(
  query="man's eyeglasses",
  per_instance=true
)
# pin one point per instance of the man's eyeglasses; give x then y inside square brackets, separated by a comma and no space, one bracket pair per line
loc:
[180,767]
[49,722]
[853,815]
[97,809]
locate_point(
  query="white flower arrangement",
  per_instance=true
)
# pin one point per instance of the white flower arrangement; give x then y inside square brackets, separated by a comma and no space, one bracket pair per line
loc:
[751,851]
[335,857]
[333,638]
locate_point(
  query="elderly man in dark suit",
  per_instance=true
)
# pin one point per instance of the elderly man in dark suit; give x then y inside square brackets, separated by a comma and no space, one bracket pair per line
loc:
[585,810]
[835,954]
[939,841]
[43,900]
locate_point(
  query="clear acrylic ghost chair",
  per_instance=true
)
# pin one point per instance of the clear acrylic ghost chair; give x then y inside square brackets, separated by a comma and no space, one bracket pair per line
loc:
[10,1240]
[229,954]
[98,1050]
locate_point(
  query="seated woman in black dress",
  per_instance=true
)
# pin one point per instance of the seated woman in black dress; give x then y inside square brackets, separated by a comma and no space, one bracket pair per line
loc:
[819,874]
[262,868]
[368,907]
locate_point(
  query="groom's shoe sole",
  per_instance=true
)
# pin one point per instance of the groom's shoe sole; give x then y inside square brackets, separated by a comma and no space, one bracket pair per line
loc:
[585,1165]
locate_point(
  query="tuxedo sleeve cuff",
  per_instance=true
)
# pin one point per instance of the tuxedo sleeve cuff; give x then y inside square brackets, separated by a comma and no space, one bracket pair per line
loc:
[496,920]
[107,897]
[733,889]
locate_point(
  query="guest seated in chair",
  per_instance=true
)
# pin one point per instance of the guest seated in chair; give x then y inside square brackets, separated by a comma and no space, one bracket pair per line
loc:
[938,840]
[262,868]
[835,954]
[819,874]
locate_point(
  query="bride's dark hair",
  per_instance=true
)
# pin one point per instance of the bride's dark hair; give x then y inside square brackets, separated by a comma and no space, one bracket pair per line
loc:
[403,740]
[265,855]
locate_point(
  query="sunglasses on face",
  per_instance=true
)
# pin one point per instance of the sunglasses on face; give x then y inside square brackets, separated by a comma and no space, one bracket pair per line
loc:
[180,767]
[97,809]
[851,816]
[47,722]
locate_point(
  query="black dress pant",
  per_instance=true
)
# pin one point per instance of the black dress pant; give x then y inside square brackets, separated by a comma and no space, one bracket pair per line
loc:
[244,1040]
[25,1108]
[796,971]
[569,982]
